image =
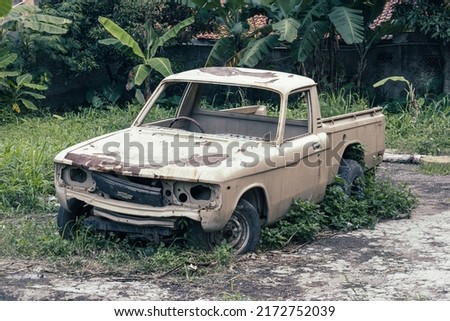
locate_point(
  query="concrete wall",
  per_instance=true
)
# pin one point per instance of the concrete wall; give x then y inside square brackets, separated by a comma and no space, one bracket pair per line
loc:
[409,56]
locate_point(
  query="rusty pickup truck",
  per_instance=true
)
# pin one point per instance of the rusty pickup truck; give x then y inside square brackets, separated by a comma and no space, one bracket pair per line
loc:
[221,150]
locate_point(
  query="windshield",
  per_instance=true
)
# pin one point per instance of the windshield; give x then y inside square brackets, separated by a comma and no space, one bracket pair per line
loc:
[229,110]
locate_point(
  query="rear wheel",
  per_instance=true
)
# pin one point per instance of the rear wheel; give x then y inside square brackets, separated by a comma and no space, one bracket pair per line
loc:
[353,175]
[242,232]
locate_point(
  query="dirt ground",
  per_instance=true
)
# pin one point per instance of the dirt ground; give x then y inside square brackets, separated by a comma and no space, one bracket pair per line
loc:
[405,259]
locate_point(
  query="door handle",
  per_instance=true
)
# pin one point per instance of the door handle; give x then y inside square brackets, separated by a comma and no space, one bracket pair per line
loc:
[316,145]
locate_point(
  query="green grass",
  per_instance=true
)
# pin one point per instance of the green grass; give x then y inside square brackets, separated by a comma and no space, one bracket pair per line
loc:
[35,236]
[341,102]
[426,134]
[435,169]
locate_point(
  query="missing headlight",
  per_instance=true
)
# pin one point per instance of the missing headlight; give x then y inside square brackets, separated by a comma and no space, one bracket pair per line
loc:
[201,193]
[78,175]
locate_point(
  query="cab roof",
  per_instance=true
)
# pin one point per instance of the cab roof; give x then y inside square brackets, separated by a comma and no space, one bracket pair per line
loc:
[272,80]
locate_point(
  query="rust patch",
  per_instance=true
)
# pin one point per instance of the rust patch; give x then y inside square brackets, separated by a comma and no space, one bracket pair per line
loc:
[222,71]
[106,164]
[90,161]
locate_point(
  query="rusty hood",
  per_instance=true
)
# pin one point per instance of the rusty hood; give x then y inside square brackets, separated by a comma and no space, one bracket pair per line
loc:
[159,152]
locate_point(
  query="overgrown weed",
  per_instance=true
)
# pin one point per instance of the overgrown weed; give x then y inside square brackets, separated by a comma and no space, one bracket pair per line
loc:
[426,133]
[338,211]
[342,102]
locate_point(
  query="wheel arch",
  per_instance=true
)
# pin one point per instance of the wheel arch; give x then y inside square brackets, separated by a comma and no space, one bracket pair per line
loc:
[257,197]
[354,151]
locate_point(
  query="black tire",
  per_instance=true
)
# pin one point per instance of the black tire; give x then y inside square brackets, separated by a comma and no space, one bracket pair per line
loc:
[242,232]
[353,175]
[67,221]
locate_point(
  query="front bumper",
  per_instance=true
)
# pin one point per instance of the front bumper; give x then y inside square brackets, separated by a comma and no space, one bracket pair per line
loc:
[141,214]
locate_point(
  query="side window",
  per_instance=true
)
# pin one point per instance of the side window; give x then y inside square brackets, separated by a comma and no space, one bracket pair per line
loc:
[298,103]
[297,123]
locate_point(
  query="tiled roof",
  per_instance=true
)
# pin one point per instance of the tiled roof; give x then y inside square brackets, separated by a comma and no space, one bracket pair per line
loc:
[386,14]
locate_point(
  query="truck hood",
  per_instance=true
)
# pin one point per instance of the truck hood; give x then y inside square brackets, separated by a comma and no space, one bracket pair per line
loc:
[160,152]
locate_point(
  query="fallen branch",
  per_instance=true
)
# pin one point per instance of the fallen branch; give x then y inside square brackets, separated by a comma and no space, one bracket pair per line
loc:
[402,158]
[415,158]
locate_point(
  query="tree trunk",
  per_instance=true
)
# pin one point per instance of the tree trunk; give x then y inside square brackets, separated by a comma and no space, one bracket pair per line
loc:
[445,49]
[332,58]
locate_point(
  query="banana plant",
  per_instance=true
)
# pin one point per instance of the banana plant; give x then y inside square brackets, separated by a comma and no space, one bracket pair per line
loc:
[239,46]
[309,21]
[17,89]
[125,43]
[27,17]
[412,104]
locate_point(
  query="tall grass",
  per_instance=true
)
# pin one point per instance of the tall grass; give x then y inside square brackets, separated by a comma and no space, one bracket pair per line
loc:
[342,102]
[36,237]
[427,133]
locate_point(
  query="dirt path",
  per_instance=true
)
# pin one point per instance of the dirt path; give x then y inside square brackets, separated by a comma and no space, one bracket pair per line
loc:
[399,260]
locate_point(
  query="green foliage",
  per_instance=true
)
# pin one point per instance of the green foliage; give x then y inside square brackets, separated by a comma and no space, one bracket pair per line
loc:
[313,20]
[15,92]
[412,104]
[303,222]
[83,53]
[338,211]
[30,32]
[257,49]
[122,37]
[20,31]
[125,43]
[24,18]
[232,17]
[428,17]
[108,94]
[348,23]
[386,200]
[342,102]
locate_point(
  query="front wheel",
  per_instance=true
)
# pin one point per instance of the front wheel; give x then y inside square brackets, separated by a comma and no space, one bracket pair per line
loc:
[242,232]
[67,221]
